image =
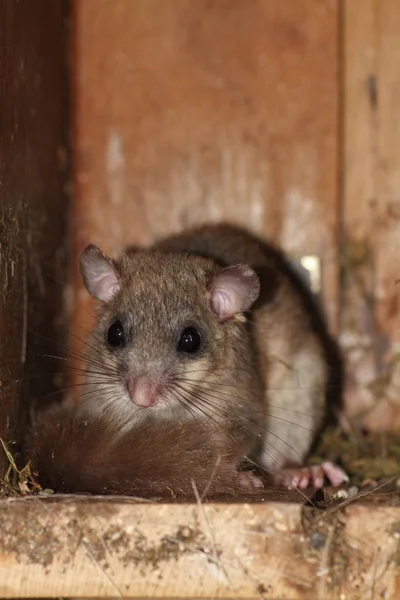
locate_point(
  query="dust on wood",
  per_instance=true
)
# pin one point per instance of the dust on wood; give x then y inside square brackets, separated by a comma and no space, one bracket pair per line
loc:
[85,547]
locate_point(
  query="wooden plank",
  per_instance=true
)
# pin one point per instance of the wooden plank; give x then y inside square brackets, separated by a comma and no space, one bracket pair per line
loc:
[188,111]
[100,548]
[32,130]
[359,193]
[386,416]
[370,330]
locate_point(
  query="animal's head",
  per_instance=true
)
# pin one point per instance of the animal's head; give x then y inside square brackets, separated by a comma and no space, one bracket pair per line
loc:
[167,324]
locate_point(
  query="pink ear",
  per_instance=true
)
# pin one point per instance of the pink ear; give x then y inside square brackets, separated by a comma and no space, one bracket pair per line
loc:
[233,291]
[99,274]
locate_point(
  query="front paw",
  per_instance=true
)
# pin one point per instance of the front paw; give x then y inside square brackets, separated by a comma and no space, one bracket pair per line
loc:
[247,480]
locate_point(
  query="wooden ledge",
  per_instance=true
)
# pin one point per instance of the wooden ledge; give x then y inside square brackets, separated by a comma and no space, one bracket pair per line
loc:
[89,547]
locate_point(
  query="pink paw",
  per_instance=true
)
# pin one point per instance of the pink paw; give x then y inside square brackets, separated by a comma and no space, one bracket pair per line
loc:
[312,476]
[248,481]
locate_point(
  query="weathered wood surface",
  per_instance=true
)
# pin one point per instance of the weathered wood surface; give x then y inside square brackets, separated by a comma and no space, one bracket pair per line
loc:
[188,111]
[33,85]
[370,253]
[81,548]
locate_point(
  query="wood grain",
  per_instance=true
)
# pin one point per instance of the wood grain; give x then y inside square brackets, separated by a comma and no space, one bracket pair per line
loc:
[188,111]
[359,193]
[33,94]
[370,252]
[387,233]
[97,548]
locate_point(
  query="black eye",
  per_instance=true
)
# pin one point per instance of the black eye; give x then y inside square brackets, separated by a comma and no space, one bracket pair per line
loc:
[115,335]
[190,341]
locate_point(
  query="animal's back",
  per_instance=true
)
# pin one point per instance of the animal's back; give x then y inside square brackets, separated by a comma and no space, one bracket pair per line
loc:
[300,361]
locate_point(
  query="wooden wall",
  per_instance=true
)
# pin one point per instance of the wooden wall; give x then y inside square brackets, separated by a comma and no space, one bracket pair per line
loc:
[195,110]
[370,218]
[282,116]
[33,103]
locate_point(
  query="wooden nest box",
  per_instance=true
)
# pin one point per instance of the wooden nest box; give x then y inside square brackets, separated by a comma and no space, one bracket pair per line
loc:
[122,121]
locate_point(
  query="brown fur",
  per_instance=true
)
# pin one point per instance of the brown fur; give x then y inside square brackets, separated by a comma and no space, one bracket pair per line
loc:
[157,459]
[267,379]
[160,293]
[300,362]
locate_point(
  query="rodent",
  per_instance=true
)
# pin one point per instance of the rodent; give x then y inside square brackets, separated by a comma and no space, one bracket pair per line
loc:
[211,325]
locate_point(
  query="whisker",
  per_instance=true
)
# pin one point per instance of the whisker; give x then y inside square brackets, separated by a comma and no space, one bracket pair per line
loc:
[206,385]
[249,388]
[78,385]
[182,402]
[74,353]
[105,404]
[215,410]
[106,372]
[222,412]
[205,417]
[16,382]
[265,451]
[264,413]
[240,369]
[96,350]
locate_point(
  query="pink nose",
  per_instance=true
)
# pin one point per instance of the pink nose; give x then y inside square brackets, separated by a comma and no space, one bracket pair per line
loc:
[143,393]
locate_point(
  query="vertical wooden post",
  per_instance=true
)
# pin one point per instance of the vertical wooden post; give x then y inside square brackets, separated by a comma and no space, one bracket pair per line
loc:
[33,96]
[370,329]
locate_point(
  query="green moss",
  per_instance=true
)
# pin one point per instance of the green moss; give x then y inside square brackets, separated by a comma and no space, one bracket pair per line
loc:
[363,456]
[354,255]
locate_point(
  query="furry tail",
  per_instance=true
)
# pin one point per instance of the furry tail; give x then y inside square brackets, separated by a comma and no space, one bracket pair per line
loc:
[155,460]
